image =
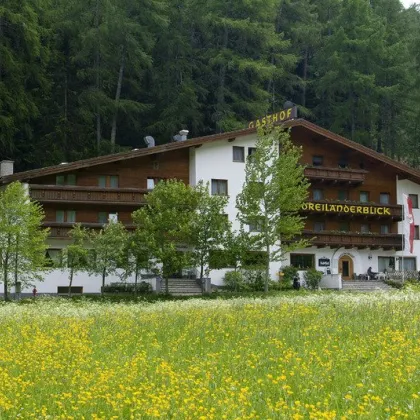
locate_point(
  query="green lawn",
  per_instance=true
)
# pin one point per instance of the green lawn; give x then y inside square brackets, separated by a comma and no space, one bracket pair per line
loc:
[311,356]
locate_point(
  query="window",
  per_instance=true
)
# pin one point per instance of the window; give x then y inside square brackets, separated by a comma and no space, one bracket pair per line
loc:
[318,194]
[364,228]
[103,217]
[64,290]
[386,263]
[344,227]
[317,160]
[251,150]
[409,263]
[108,181]
[219,259]
[102,181]
[219,187]
[343,195]
[384,198]
[343,163]
[416,233]
[255,226]
[238,154]
[71,216]
[54,257]
[319,226]
[364,196]
[302,261]
[254,259]
[150,183]
[59,216]
[384,229]
[414,200]
[69,179]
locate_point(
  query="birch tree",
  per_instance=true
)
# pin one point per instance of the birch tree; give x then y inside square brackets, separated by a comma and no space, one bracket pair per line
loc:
[22,238]
[273,193]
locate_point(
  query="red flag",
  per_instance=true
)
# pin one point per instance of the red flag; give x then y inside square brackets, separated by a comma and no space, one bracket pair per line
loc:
[408,224]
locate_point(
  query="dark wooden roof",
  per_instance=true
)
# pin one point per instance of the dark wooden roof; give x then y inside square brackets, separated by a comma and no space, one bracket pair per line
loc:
[406,170]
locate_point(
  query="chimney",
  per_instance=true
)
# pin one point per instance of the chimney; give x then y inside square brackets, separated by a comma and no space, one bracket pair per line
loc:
[182,136]
[6,167]
[149,141]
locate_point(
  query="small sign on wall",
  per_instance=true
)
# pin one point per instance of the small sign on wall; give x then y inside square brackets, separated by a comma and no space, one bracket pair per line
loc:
[324,262]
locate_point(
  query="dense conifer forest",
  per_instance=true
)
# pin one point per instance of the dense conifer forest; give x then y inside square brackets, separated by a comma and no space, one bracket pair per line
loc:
[85,77]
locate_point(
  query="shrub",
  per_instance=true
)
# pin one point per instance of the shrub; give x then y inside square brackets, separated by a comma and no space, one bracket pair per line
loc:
[234,281]
[313,278]
[289,272]
[142,287]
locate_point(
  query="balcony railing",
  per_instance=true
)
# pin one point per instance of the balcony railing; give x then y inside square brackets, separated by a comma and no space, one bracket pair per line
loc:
[60,230]
[87,195]
[353,240]
[335,175]
[343,208]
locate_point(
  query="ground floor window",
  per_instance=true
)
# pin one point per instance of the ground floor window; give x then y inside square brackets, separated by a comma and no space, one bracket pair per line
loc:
[386,263]
[409,264]
[54,257]
[219,259]
[302,261]
[63,290]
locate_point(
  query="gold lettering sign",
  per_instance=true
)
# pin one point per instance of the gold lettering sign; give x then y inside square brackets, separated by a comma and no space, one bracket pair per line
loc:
[340,208]
[278,117]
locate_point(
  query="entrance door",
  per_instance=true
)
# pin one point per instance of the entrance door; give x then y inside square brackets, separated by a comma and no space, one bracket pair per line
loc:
[345,267]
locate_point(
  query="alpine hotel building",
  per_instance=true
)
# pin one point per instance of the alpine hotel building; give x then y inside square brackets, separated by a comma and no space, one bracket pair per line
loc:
[353,214]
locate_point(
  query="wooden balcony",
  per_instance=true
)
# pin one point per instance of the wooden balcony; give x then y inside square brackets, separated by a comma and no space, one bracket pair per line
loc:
[353,240]
[132,197]
[60,230]
[353,209]
[319,174]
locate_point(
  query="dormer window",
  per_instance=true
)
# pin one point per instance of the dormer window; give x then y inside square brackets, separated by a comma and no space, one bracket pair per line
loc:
[317,160]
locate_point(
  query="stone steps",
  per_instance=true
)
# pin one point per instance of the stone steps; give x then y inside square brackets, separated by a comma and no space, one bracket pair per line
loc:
[182,287]
[365,286]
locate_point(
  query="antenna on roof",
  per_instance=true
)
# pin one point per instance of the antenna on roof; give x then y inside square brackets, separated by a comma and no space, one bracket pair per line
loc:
[149,141]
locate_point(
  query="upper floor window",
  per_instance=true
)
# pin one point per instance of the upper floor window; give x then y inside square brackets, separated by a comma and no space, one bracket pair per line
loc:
[255,226]
[317,160]
[365,228]
[343,195]
[105,217]
[385,229]
[414,200]
[68,216]
[151,182]
[319,226]
[318,194]
[384,198]
[251,151]
[364,196]
[416,233]
[343,163]
[106,181]
[344,227]
[238,154]
[69,179]
[219,187]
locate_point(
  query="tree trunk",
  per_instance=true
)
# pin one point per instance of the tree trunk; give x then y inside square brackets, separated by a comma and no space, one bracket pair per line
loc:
[5,277]
[97,76]
[135,280]
[117,99]
[222,81]
[267,269]
[71,280]
[304,77]
[103,281]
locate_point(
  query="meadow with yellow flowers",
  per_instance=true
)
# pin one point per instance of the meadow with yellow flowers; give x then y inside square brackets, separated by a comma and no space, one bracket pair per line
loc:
[318,356]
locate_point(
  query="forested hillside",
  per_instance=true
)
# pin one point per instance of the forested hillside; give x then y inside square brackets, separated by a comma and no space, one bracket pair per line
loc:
[86,77]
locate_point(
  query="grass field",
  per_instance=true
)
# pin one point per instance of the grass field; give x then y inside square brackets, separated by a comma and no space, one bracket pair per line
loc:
[332,356]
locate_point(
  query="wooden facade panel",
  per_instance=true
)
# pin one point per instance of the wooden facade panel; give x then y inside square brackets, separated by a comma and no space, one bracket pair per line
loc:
[354,225]
[133,173]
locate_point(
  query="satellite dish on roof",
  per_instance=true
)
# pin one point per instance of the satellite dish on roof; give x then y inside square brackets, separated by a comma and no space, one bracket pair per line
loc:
[149,141]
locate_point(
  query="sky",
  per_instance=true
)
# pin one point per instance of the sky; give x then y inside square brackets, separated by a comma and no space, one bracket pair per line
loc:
[408,3]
